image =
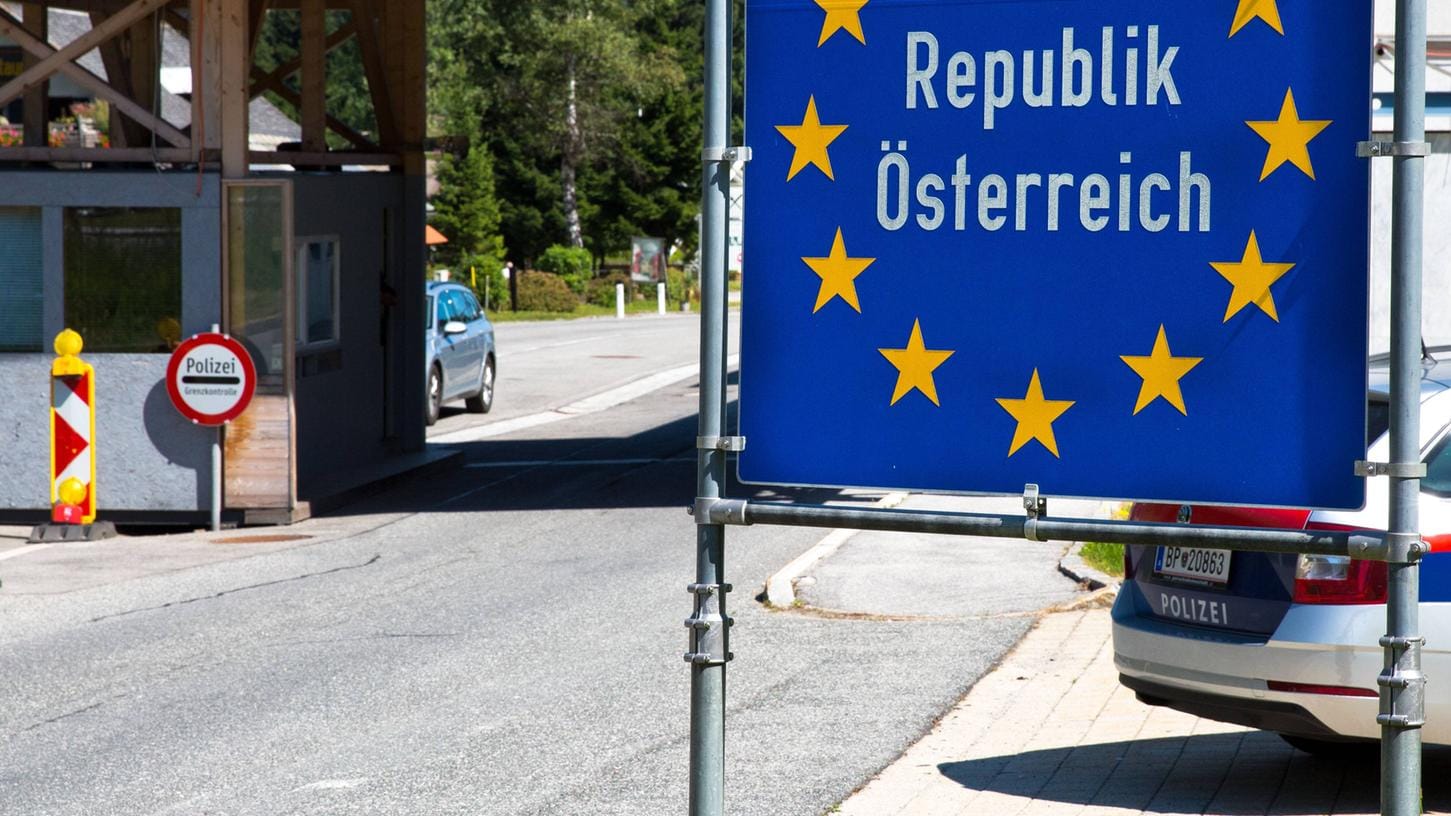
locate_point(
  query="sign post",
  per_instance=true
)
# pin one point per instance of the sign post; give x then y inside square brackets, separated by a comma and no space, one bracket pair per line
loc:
[211,379]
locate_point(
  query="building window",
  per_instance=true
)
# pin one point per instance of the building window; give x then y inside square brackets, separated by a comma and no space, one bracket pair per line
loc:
[123,277]
[21,277]
[318,270]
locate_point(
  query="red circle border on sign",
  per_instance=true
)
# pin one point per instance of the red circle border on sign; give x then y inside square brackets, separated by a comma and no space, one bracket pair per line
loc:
[248,370]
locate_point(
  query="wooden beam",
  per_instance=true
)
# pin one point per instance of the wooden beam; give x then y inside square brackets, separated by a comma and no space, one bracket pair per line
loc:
[314,76]
[256,18]
[12,29]
[365,18]
[104,32]
[143,62]
[37,99]
[99,155]
[344,33]
[206,82]
[335,125]
[235,66]
[178,23]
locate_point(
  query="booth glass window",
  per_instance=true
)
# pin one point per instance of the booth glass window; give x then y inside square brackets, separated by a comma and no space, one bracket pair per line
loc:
[257,277]
[318,270]
[21,280]
[123,277]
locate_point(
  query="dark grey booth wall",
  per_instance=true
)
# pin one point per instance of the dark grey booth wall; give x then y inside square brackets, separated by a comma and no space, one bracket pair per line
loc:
[147,456]
[340,399]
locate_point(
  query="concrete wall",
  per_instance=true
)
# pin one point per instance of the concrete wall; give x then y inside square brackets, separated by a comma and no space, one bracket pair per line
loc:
[147,457]
[341,396]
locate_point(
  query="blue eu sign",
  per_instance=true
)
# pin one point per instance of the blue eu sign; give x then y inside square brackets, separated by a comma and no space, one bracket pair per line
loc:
[1117,248]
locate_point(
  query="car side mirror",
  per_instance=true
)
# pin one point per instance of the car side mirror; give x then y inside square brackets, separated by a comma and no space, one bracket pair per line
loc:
[454,327]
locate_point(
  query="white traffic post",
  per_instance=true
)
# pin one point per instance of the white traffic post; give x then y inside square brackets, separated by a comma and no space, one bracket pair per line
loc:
[660,296]
[620,301]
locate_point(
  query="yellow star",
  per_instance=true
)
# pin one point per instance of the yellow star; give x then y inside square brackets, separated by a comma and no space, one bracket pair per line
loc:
[1161,372]
[1289,138]
[1035,416]
[810,139]
[915,365]
[1267,10]
[1252,278]
[841,15]
[837,273]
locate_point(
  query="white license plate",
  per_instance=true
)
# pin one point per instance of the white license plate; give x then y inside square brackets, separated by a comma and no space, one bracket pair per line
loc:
[1196,563]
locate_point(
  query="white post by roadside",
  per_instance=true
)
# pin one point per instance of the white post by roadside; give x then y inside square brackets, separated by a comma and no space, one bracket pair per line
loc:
[660,296]
[620,301]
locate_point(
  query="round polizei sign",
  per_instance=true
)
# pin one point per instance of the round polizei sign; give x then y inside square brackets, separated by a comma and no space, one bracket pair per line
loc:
[211,379]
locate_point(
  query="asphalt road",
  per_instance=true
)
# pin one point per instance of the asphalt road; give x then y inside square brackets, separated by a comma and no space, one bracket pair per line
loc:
[503,639]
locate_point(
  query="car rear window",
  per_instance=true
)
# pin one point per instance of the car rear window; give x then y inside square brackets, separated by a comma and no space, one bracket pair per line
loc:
[1377,420]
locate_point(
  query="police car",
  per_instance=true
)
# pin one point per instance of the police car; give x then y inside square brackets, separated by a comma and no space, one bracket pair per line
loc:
[1290,643]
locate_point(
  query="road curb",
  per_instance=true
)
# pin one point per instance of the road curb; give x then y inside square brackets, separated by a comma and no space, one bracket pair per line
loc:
[1074,567]
[780,589]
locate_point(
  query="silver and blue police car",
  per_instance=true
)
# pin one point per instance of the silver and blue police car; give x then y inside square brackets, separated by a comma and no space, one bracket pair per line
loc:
[1285,643]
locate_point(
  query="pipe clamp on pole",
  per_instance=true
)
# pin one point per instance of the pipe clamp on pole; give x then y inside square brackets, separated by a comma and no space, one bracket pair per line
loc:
[729,155]
[1395,470]
[1382,150]
[719,511]
[730,444]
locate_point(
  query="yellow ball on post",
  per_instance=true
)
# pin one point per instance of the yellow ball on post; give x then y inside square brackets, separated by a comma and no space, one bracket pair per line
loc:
[72,491]
[68,343]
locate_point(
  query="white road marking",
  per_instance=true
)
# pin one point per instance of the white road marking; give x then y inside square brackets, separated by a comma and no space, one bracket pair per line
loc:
[780,588]
[520,463]
[589,405]
[19,551]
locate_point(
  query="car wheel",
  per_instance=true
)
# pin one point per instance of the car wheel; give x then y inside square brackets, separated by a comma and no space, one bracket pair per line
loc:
[481,402]
[1330,749]
[435,395]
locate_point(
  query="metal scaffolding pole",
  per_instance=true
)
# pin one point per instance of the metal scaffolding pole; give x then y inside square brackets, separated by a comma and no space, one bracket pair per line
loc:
[1402,686]
[708,623]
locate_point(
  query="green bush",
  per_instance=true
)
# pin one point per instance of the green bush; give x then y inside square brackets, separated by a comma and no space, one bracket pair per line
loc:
[574,265]
[601,291]
[678,286]
[544,292]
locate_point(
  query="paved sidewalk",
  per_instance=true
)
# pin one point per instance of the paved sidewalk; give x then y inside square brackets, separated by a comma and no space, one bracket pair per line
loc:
[1050,732]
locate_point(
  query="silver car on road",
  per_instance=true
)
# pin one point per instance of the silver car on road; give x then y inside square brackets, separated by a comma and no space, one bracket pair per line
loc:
[460,349]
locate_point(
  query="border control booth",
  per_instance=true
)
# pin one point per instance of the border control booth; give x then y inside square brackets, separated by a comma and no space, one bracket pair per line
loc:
[311,252]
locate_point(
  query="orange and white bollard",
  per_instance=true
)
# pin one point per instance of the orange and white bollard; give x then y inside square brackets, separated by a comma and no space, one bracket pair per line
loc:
[72,433]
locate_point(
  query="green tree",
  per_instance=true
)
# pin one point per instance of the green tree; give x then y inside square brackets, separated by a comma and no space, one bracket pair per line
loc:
[466,211]
[620,156]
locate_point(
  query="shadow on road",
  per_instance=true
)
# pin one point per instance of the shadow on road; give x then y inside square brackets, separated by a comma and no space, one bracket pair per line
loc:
[652,468]
[1232,774]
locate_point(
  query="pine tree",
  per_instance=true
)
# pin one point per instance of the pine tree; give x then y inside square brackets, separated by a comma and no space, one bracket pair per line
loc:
[466,211]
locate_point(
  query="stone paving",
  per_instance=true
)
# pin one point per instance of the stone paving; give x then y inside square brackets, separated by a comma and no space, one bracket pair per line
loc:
[1050,732]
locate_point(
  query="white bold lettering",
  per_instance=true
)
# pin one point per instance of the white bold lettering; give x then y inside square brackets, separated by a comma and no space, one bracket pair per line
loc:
[921,77]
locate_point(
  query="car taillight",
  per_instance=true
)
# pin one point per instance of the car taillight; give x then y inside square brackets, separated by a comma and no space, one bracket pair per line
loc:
[1315,688]
[1337,579]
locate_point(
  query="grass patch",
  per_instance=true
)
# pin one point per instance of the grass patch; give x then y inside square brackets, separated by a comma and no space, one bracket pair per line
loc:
[1106,558]
[587,310]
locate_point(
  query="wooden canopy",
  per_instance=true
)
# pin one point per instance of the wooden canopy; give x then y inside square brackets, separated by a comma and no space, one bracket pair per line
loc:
[222,36]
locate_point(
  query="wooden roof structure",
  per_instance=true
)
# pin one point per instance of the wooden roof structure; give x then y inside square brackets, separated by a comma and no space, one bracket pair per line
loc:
[222,35]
